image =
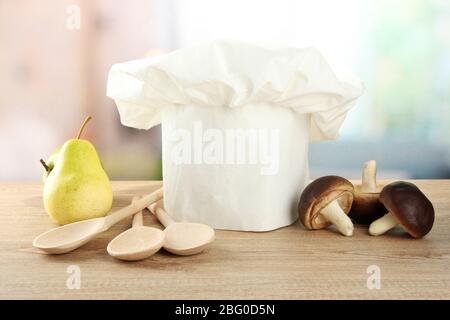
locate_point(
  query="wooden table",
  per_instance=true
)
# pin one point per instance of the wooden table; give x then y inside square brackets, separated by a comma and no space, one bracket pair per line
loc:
[289,263]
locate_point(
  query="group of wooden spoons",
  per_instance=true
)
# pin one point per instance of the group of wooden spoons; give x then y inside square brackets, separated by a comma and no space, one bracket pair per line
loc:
[138,242]
[333,200]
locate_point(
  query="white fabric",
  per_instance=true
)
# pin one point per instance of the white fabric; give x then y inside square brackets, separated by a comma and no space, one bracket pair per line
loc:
[291,90]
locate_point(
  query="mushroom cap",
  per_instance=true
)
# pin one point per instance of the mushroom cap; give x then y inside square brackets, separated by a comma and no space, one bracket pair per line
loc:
[318,194]
[366,207]
[410,207]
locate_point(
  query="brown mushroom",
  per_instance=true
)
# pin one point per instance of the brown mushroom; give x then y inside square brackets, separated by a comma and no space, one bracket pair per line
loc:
[366,206]
[407,206]
[326,201]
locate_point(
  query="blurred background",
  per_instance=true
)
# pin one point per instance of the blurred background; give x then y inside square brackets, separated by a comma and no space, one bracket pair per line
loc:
[55,56]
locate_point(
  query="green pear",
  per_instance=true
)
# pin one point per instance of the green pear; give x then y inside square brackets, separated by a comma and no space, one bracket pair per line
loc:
[76,186]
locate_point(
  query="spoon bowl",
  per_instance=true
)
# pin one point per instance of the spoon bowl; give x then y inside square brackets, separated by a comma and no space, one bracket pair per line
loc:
[136,243]
[183,238]
[68,237]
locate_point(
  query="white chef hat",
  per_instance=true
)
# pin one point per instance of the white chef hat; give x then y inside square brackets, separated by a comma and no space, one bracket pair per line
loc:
[233,74]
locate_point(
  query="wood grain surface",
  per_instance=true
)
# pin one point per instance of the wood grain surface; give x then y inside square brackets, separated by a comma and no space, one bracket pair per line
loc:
[289,263]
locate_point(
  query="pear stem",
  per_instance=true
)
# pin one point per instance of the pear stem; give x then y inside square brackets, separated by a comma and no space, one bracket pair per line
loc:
[44,165]
[82,126]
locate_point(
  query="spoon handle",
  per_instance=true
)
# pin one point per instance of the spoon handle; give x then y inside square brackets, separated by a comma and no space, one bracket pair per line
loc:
[160,214]
[138,219]
[134,207]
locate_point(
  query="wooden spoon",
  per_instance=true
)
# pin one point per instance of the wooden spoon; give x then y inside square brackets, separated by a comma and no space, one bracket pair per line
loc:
[138,242]
[72,236]
[183,238]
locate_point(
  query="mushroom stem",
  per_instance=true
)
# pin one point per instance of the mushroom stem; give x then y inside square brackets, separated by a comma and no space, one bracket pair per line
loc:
[369,173]
[334,214]
[383,224]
